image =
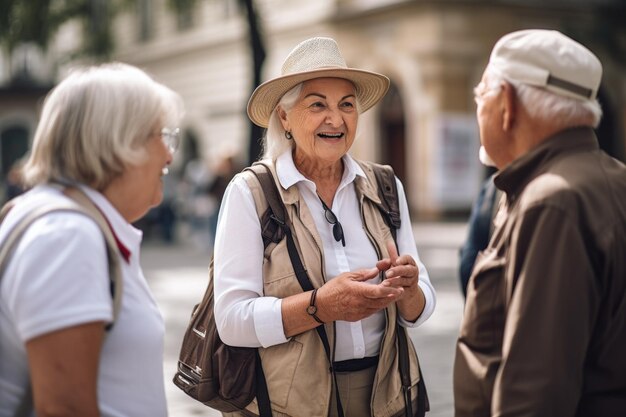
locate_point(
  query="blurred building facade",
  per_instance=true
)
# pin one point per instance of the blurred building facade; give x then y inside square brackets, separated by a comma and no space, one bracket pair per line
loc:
[433,51]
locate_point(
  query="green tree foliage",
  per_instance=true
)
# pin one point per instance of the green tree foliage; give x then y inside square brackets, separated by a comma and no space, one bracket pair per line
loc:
[37,21]
[25,21]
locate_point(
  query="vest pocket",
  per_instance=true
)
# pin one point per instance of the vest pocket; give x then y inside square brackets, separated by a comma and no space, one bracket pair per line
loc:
[284,359]
[283,286]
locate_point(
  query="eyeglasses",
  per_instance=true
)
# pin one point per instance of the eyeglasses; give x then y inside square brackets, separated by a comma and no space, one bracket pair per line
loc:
[171,138]
[332,219]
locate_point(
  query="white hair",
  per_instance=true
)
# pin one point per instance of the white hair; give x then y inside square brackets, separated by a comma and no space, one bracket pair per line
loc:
[96,122]
[544,105]
[275,142]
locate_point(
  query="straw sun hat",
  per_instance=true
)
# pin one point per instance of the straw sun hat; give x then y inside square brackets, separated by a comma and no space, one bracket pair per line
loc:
[314,58]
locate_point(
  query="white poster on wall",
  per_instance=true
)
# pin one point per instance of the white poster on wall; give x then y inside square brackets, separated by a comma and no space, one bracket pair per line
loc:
[458,172]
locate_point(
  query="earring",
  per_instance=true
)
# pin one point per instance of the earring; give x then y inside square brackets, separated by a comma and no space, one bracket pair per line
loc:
[288,135]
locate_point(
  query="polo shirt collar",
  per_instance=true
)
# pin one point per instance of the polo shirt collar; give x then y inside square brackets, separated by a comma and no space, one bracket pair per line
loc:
[127,237]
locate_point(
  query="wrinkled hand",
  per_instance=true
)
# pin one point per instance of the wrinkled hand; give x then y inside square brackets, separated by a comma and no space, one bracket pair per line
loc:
[348,297]
[402,272]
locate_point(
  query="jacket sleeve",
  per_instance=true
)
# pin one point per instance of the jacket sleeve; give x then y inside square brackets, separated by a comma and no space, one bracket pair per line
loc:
[552,305]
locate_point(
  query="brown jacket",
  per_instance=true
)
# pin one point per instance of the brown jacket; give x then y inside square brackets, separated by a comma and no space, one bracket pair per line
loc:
[544,328]
[297,375]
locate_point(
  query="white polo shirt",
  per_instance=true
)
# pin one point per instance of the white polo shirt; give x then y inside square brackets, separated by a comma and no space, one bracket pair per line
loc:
[58,278]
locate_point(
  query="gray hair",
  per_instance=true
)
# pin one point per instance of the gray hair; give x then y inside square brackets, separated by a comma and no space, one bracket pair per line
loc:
[275,142]
[544,105]
[96,122]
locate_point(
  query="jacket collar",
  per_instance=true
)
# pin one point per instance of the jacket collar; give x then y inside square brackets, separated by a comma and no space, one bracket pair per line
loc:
[520,172]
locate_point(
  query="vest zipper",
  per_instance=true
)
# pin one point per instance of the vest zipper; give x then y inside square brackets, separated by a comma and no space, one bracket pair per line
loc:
[382,277]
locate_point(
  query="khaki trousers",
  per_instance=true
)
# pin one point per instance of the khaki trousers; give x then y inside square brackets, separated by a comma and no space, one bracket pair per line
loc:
[355,390]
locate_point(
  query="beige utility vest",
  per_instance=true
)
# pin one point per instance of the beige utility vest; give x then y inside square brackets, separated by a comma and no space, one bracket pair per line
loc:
[297,372]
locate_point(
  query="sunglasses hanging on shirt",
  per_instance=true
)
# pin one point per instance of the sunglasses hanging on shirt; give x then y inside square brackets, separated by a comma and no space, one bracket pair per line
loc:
[332,219]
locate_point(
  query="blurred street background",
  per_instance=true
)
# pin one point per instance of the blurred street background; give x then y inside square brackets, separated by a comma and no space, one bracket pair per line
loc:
[178,277]
[215,52]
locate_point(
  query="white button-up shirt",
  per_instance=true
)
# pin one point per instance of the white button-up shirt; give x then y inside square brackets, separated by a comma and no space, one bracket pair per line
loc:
[247,318]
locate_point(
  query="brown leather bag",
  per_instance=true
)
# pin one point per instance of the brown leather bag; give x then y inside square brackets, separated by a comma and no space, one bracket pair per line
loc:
[226,378]
[218,375]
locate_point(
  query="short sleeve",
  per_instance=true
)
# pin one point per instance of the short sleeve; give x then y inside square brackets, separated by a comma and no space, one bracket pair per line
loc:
[58,276]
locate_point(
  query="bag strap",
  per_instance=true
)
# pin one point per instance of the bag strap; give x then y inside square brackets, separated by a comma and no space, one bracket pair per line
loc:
[80,204]
[388,193]
[276,205]
[113,259]
[262,396]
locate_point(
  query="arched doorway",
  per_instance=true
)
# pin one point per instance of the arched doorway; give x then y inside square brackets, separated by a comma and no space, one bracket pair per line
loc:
[393,137]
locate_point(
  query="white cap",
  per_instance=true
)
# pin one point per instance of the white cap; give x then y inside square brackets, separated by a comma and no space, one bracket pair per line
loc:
[549,59]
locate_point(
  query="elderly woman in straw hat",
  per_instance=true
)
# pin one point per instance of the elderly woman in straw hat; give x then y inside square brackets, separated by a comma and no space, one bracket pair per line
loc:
[363,285]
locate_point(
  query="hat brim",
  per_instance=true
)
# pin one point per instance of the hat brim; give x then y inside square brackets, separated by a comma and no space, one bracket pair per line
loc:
[370,88]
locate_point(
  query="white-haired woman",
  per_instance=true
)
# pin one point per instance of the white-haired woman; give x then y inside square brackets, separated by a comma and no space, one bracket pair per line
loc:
[109,131]
[312,111]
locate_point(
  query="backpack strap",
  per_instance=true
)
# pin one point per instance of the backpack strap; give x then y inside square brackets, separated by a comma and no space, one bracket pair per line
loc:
[388,193]
[112,246]
[278,215]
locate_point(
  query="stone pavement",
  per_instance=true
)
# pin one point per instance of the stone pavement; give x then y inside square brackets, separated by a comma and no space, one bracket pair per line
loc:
[177,275]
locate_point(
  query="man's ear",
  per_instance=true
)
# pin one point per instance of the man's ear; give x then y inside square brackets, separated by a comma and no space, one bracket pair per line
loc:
[509,104]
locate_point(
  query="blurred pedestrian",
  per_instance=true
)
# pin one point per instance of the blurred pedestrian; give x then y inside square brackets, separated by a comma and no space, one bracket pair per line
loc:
[480,228]
[109,131]
[14,183]
[199,204]
[223,174]
[544,326]
[167,210]
[312,113]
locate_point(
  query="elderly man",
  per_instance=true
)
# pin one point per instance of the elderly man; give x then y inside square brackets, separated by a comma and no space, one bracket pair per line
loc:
[544,328]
